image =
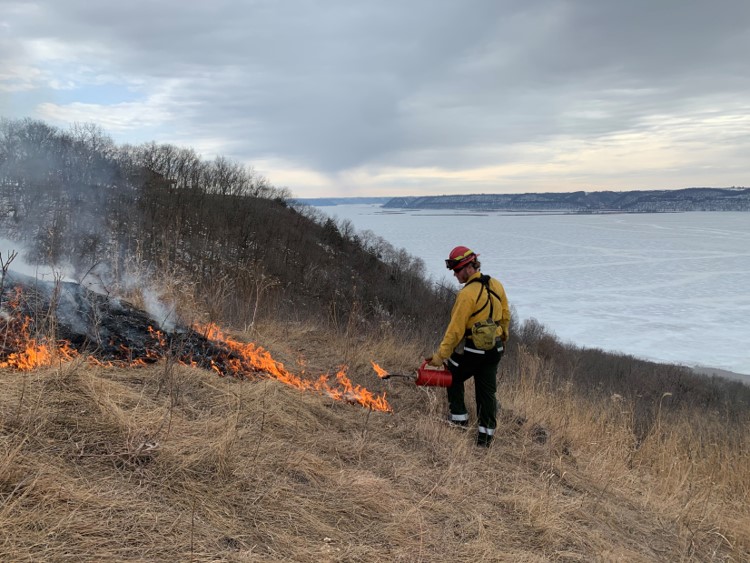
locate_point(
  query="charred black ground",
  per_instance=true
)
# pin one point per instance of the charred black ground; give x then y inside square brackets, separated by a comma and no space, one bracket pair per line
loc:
[95,325]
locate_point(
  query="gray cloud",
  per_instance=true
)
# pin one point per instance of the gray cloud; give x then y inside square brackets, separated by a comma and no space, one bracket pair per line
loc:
[338,85]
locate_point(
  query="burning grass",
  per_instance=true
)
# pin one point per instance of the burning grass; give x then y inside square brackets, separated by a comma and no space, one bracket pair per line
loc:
[169,463]
[134,342]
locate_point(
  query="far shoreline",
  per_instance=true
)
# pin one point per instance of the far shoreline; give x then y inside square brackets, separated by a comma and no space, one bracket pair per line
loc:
[726,374]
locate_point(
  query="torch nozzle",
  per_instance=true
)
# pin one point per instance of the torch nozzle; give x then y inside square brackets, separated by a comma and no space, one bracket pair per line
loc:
[405,375]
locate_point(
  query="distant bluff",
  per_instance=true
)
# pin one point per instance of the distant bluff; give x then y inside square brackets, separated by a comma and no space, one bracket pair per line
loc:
[651,201]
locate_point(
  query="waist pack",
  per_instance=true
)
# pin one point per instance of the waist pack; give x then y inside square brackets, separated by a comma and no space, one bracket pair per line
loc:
[483,334]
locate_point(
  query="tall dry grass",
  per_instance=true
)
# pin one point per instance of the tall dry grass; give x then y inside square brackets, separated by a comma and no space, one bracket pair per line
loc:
[170,463]
[692,468]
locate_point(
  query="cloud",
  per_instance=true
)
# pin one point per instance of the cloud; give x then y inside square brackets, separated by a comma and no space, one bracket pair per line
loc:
[19,79]
[154,110]
[347,91]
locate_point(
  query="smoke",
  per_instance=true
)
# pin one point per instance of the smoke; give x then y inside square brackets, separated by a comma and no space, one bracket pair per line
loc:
[64,210]
[161,312]
[78,208]
[98,280]
[15,255]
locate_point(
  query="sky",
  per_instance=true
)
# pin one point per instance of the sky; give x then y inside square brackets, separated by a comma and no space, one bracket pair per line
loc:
[402,97]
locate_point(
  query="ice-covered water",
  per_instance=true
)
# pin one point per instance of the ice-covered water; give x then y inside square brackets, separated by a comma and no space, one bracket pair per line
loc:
[665,287]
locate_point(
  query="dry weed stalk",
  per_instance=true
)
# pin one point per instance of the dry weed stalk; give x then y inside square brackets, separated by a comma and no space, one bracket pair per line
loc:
[5,263]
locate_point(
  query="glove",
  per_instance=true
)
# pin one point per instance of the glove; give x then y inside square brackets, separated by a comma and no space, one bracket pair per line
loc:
[435,361]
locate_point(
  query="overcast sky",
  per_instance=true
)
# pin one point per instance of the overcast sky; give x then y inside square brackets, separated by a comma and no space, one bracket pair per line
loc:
[402,97]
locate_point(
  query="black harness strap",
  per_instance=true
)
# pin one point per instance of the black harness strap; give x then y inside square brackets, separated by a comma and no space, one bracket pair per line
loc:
[485,281]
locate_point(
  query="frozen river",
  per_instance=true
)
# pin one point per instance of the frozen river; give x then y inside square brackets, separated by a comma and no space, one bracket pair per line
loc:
[666,287]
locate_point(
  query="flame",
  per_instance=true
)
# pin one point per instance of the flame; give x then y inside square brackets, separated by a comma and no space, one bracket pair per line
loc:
[254,359]
[380,371]
[31,352]
[22,351]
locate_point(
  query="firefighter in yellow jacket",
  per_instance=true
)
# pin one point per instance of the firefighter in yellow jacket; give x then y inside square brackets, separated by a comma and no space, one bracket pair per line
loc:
[474,342]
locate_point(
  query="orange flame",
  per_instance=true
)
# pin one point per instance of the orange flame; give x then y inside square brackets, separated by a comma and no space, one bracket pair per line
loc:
[252,358]
[21,351]
[32,352]
[382,374]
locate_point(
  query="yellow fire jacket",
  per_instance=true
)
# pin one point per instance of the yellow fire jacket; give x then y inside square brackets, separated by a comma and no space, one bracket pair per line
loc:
[470,299]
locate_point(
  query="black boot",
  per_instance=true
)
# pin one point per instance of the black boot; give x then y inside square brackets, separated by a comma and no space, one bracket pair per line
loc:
[462,424]
[458,420]
[484,440]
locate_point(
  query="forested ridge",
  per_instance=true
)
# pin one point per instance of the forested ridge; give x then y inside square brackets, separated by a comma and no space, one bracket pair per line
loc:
[223,235]
[625,201]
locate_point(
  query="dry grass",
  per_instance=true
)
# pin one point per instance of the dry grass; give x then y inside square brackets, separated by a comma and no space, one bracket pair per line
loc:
[170,463]
[691,471]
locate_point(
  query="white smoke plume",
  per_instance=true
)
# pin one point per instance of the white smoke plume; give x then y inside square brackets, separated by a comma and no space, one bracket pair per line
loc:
[99,280]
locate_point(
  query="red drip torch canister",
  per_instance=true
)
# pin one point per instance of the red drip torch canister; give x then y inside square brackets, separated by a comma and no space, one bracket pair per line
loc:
[430,376]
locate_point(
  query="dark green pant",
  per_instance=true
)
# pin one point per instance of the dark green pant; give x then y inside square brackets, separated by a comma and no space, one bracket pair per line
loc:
[483,368]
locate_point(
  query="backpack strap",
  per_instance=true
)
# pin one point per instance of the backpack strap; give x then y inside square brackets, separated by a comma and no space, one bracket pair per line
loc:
[485,281]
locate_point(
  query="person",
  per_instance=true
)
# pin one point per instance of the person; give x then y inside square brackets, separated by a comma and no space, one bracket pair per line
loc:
[480,298]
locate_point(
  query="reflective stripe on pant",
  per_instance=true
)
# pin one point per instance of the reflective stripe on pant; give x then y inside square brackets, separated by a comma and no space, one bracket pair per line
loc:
[483,367]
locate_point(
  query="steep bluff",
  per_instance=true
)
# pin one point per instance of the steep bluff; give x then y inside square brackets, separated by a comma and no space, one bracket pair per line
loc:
[651,201]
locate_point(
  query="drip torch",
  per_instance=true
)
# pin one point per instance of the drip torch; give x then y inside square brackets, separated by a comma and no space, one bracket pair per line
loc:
[426,376]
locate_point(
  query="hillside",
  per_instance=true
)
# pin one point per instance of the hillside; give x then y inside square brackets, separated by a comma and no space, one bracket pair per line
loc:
[212,240]
[172,463]
[647,201]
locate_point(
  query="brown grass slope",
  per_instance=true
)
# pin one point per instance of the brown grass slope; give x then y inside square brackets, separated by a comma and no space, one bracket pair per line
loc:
[170,463]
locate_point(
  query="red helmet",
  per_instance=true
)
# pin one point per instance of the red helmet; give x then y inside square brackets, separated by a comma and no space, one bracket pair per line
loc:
[460,257]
